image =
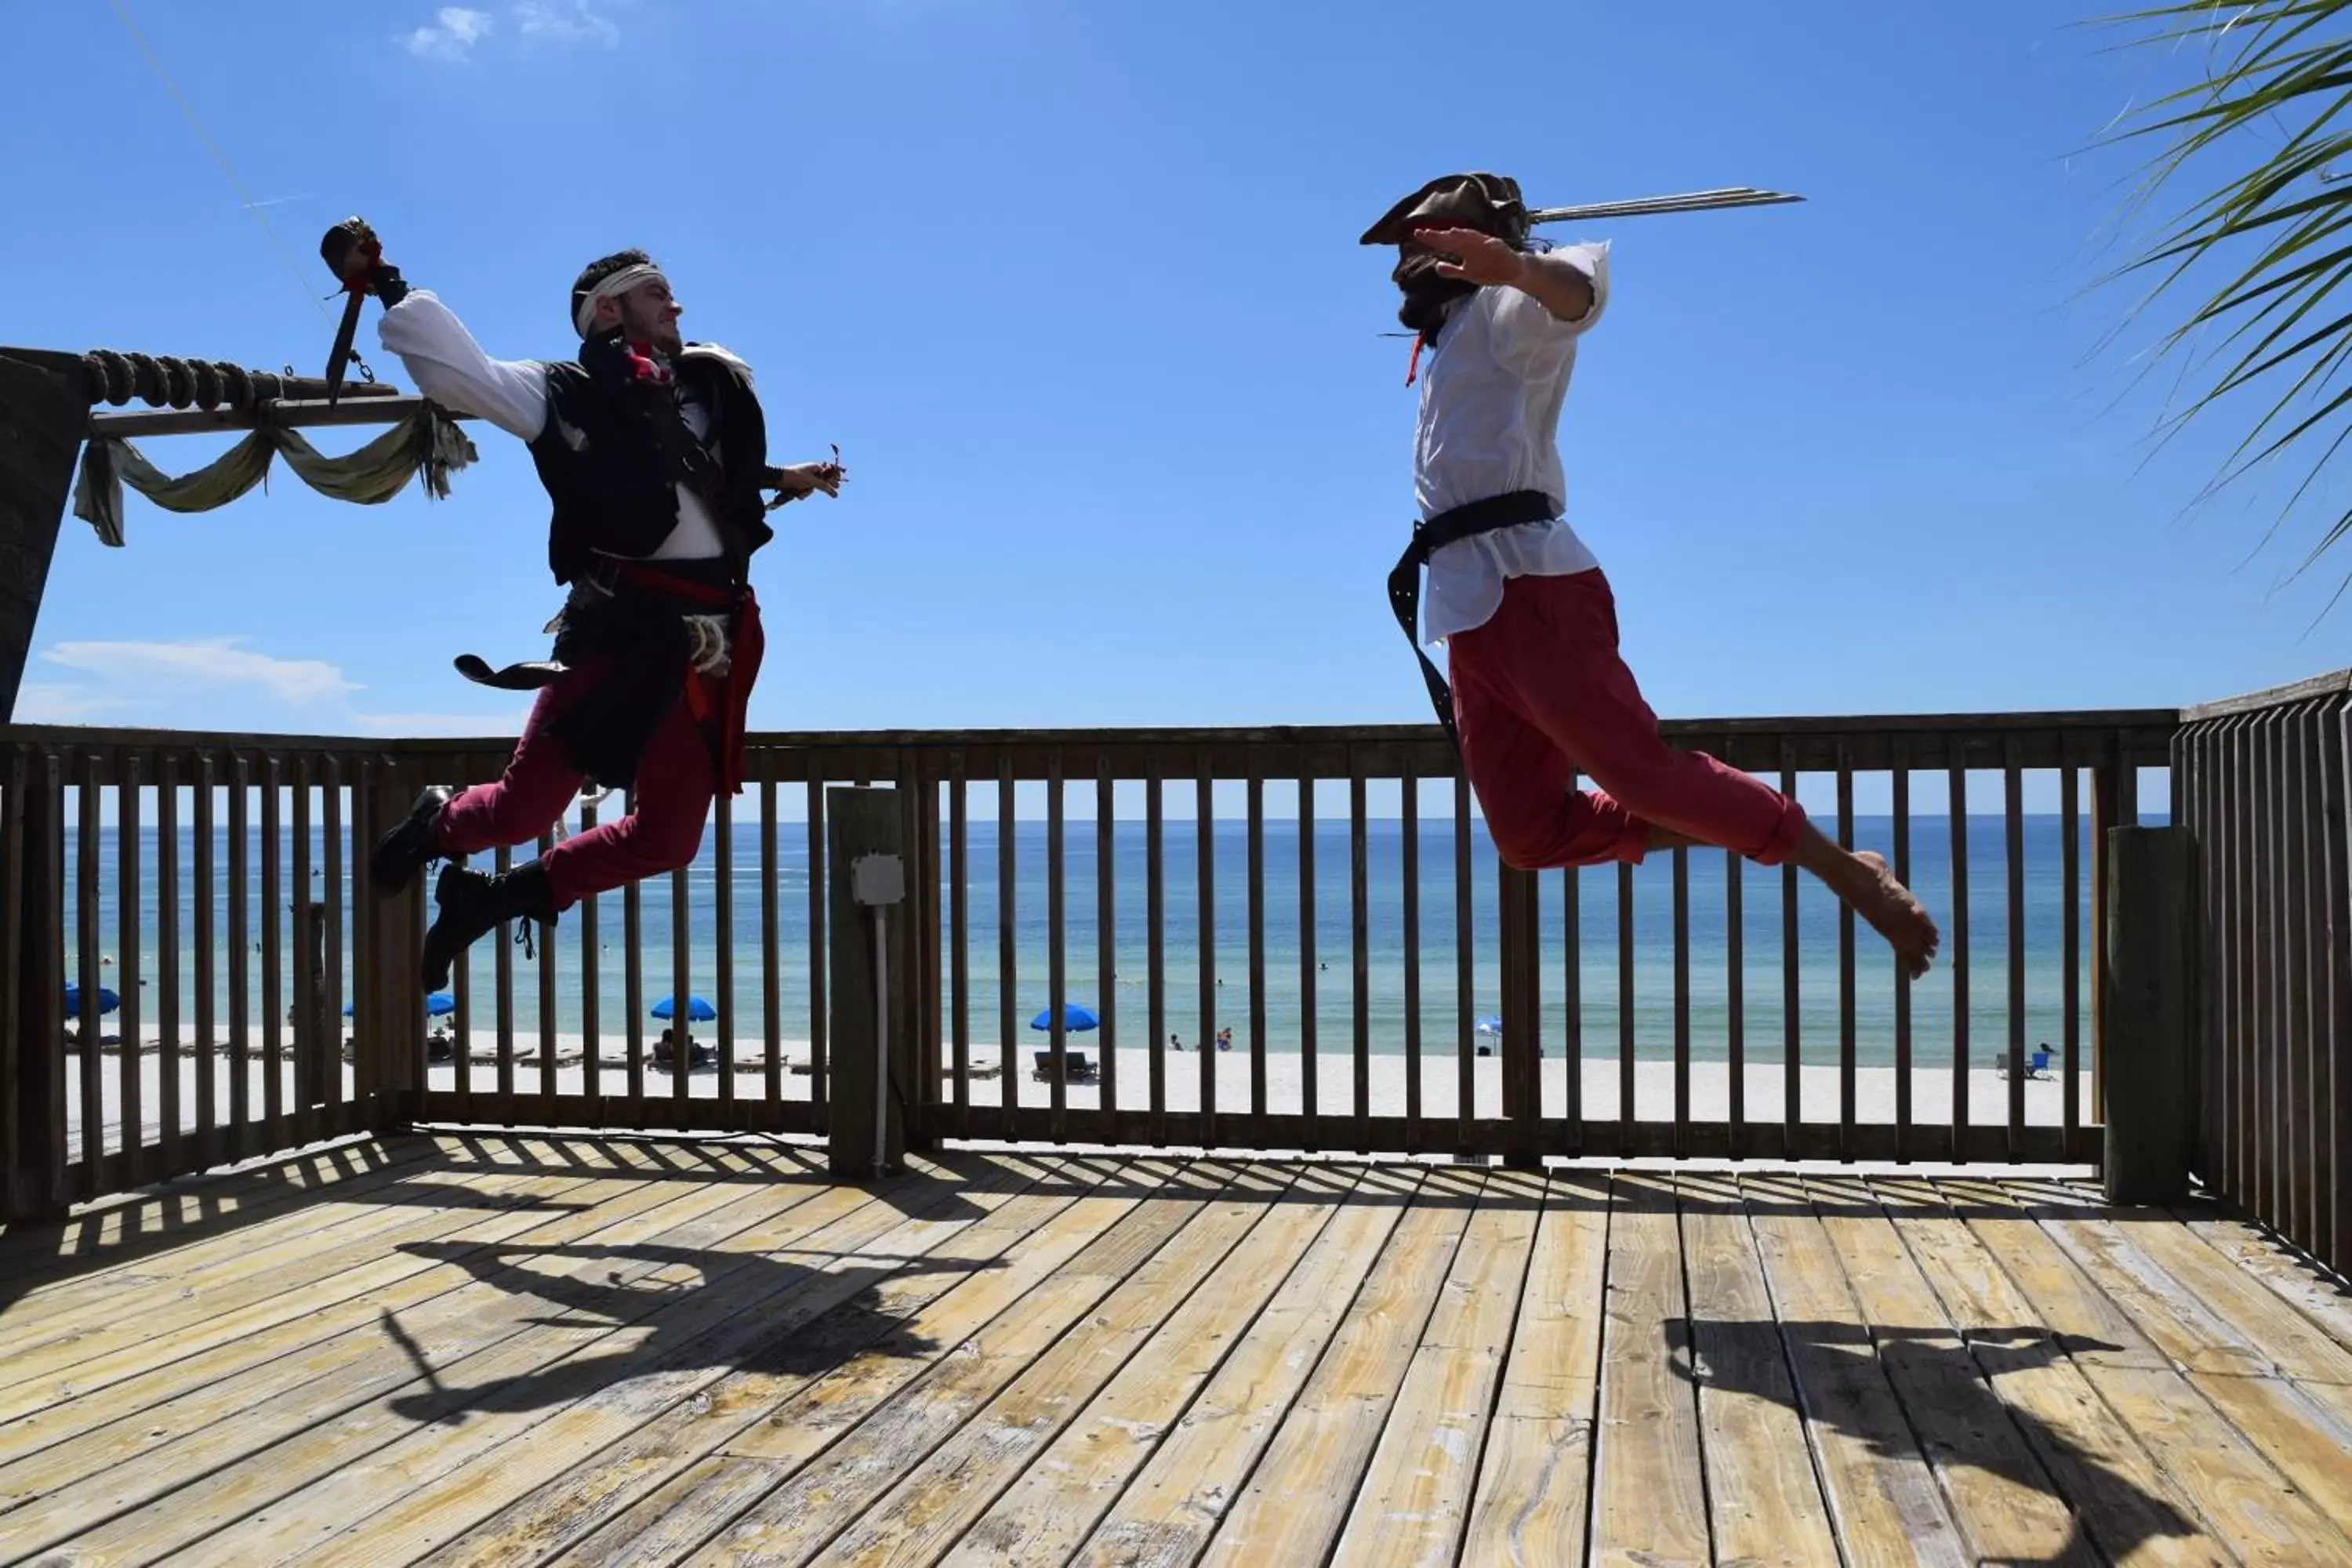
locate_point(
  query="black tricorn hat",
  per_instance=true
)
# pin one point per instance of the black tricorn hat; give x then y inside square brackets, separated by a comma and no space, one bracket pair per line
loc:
[1487,203]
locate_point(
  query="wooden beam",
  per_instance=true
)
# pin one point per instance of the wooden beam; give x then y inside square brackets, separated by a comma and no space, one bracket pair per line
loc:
[862,822]
[385,407]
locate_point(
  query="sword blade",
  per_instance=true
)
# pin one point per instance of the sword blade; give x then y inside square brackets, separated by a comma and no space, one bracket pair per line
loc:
[341,354]
[1646,206]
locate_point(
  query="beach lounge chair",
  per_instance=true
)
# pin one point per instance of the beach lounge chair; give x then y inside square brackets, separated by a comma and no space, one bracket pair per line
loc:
[2037,1064]
[1081,1068]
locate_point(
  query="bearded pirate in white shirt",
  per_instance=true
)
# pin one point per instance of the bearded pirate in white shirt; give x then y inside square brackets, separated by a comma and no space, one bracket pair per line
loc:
[1528,621]
[654,453]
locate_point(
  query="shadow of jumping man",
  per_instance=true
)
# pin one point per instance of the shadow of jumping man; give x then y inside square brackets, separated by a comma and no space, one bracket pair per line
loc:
[688,1309]
[2111,1516]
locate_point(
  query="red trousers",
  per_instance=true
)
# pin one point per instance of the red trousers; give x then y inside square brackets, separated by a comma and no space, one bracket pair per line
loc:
[1540,692]
[675,783]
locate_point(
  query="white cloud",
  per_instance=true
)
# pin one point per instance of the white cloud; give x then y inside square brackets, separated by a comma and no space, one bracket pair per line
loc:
[456,31]
[56,703]
[157,668]
[564,22]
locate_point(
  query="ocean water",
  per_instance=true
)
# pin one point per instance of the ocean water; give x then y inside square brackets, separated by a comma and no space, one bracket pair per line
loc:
[1297,962]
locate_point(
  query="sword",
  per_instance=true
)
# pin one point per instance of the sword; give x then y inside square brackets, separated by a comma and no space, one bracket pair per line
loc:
[341,354]
[1690,201]
[352,261]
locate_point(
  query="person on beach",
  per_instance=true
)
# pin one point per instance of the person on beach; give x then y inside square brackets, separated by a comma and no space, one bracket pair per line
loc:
[654,453]
[1528,621]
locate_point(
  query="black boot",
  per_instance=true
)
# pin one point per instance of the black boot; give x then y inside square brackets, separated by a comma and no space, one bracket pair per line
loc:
[411,847]
[472,904]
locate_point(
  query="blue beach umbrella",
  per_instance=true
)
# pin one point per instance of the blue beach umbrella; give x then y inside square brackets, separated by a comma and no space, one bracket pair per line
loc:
[1074,1018]
[1492,1023]
[437,1004]
[697,1009]
[107,1000]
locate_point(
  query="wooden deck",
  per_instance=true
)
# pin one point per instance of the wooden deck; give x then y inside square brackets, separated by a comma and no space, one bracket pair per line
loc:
[521,1351]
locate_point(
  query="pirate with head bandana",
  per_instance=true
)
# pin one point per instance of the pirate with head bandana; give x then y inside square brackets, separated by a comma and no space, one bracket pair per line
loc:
[654,454]
[1539,691]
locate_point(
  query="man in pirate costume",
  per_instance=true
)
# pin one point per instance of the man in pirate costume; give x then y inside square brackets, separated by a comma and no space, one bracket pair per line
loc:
[654,453]
[1529,623]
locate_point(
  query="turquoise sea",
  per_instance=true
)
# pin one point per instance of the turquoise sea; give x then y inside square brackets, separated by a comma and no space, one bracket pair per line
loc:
[1288,970]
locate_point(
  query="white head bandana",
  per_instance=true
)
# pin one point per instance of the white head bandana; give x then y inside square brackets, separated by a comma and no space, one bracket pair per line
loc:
[612,287]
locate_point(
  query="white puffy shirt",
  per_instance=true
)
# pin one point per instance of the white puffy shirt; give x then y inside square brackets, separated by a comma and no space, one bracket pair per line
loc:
[449,367]
[1491,390]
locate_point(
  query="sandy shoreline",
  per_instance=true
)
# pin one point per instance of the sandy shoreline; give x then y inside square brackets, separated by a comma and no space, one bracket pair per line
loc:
[1710,1090]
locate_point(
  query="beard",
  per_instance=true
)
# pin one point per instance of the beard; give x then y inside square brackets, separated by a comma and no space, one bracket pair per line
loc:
[1427,292]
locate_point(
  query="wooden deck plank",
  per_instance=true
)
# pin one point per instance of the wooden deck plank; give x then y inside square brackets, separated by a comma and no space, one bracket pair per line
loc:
[2133,1512]
[1060,1497]
[1882,1495]
[1649,1492]
[1125,1283]
[1535,1474]
[844,1371]
[435,1364]
[81,1437]
[1292,1506]
[1168,1511]
[2286,1275]
[451,1486]
[231,1301]
[1763,1497]
[1417,1492]
[2004,1502]
[2239,1494]
[2230,1357]
[761,1457]
[1127,1378]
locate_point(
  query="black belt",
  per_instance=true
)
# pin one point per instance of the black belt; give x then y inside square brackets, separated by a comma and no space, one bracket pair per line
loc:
[1505,511]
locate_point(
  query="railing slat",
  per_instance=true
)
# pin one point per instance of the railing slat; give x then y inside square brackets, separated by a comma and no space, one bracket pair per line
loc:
[1155,918]
[169,1110]
[307,1048]
[722,851]
[1465,1002]
[544,943]
[1057,1036]
[1959,952]
[1107,935]
[632,998]
[1626,1042]
[1360,956]
[2013,816]
[1792,1020]
[1572,997]
[1682,1001]
[771,959]
[502,1010]
[1735,963]
[331,841]
[1901,805]
[681,987]
[1204,823]
[1257,951]
[127,965]
[1008,997]
[2307,1066]
[240,1021]
[959,938]
[1310,1103]
[2070,945]
[208,1067]
[820,1092]
[1411,871]
[20,1186]
[2336,925]
[592,983]
[273,990]
[1848,1045]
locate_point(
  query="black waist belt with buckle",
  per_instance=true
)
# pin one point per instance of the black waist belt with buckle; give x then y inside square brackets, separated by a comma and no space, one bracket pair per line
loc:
[1505,511]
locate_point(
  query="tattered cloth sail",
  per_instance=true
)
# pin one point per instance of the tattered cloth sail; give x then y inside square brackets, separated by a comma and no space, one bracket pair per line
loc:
[427,445]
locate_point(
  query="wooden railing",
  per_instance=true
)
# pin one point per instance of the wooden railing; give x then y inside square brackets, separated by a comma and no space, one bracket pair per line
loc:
[2260,781]
[1386,989]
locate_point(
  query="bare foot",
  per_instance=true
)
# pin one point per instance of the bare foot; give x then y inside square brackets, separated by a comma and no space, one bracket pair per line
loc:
[1893,912]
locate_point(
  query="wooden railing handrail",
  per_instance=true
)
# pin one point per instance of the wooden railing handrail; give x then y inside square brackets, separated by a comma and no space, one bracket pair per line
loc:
[2330,685]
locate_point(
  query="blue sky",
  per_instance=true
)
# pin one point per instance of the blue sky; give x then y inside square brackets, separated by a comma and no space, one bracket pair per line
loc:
[1075,289]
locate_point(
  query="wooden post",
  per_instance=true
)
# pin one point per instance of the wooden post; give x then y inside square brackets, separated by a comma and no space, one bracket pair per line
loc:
[35,1154]
[44,409]
[858,823]
[2149,977]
